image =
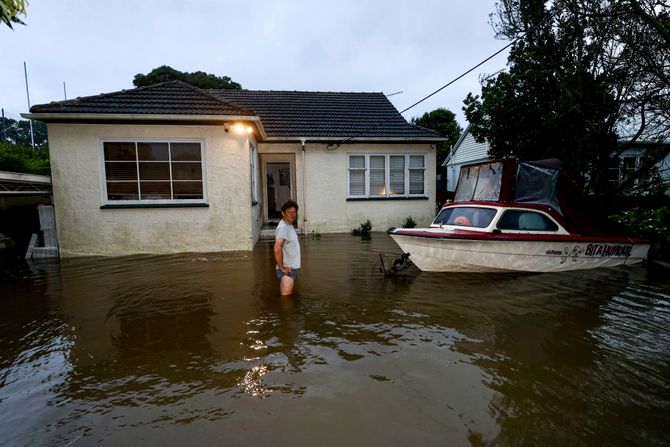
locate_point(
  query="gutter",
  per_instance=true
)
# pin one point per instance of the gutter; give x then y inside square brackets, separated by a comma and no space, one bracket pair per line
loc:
[143,117]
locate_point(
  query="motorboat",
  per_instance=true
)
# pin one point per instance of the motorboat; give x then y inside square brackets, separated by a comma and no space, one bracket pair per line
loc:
[517,216]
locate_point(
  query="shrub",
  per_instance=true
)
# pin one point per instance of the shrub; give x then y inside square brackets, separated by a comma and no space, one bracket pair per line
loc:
[653,224]
[409,223]
[363,230]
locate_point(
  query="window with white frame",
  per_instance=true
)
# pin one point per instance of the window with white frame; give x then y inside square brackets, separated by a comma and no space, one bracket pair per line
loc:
[386,175]
[153,172]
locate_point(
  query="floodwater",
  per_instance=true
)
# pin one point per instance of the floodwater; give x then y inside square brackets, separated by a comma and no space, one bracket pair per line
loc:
[198,349]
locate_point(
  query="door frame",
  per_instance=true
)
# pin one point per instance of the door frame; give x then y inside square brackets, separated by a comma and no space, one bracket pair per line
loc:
[275,158]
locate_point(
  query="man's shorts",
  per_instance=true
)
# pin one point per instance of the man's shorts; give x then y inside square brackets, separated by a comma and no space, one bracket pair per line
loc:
[293,274]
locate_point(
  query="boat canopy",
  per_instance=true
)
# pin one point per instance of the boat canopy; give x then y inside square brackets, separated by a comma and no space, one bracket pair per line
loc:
[538,182]
[509,181]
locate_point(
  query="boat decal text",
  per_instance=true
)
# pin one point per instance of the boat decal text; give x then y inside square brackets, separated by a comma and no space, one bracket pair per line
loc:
[604,250]
[592,250]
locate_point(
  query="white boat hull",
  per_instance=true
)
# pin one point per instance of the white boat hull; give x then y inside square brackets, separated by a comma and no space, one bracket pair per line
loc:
[433,254]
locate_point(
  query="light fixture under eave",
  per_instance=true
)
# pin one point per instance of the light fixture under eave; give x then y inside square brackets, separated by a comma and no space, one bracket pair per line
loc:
[241,129]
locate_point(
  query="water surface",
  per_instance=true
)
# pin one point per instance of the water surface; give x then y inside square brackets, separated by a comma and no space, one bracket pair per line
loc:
[198,349]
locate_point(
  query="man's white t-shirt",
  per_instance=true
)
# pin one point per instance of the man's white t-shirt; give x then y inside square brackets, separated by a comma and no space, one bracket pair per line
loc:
[291,247]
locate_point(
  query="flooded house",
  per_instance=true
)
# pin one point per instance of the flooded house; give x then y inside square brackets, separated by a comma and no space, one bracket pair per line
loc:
[173,168]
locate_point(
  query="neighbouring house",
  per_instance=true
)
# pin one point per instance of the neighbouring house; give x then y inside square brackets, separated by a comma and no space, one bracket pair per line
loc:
[466,151]
[173,168]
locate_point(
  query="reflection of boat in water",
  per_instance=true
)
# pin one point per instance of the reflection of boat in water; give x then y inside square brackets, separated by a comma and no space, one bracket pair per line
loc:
[510,216]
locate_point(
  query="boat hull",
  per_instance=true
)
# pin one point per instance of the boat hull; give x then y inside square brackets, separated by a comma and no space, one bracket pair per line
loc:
[443,254]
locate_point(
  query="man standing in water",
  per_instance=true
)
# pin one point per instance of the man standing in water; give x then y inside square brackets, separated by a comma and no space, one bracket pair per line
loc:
[287,248]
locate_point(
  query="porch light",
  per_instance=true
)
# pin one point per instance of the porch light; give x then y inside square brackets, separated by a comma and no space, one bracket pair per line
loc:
[241,129]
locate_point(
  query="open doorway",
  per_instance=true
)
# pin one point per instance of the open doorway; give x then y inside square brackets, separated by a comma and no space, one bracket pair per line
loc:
[278,181]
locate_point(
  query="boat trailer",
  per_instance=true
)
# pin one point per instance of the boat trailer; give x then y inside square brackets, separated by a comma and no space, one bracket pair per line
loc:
[396,266]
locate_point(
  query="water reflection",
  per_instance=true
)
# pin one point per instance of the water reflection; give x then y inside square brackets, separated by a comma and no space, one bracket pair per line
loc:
[200,349]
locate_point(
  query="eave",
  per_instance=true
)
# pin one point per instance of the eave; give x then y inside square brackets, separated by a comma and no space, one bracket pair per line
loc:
[145,118]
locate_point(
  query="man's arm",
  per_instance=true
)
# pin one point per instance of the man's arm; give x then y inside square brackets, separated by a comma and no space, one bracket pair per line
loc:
[279,255]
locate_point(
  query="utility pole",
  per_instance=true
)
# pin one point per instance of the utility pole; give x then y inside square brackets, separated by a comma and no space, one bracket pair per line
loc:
[64,91]
[2,126]
[32,135]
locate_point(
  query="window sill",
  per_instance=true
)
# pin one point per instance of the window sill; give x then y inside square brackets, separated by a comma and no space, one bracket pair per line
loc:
[364,199]
[155,205]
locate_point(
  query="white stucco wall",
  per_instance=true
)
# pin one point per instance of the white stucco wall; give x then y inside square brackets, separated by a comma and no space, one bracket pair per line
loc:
[86,229]
[322,188]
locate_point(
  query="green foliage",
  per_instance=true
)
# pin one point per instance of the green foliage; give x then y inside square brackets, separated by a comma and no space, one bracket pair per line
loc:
[10,10]
[653,224]
[363,230]
[198,79]
[578,74]
[409,223]
[442,121]
[25,159]
[18,132]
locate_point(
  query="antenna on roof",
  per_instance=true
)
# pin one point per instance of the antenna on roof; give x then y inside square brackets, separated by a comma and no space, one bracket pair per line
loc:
[395,93]
[32,135]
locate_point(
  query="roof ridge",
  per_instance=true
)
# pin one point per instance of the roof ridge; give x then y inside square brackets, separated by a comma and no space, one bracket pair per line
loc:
[295,91]
[117,92]
[205,93]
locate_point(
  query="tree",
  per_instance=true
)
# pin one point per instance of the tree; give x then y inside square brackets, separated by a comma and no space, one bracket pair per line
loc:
[442,121]
[18,132]
[10,10]
[16,158]
[198,79]
[583,76]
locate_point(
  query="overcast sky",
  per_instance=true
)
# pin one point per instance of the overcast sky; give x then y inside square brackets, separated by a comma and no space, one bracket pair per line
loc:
[413,47]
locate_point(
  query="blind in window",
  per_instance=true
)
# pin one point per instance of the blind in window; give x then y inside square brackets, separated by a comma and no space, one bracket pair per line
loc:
[397,174]
[377,175]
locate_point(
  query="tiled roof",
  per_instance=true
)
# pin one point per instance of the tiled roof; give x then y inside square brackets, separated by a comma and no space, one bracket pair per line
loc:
[283,114]
[294,114]
[167,98]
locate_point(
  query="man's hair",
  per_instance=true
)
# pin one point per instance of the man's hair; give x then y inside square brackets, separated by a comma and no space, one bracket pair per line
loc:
[290,203]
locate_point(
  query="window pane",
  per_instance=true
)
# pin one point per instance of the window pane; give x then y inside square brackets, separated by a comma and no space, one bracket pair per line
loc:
[190,171]
[377,162]
[154,190]
[357,161]
[417,161]
[416,181]
[357,183]
[377,175]
[397,180]
[119,151]
[526,220]
[122,191]
[187,190]
[154,171]
[152,151]
[185,151]
[121,171]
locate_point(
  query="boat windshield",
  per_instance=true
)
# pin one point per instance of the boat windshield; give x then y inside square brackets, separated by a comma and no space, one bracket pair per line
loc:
[479,182]
[468,216]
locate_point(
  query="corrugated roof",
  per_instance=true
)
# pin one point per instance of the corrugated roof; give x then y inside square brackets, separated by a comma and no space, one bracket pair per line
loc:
[290,114]
[167,98]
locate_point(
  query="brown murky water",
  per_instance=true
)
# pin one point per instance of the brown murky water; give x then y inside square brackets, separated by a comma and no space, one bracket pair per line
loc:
[199,350]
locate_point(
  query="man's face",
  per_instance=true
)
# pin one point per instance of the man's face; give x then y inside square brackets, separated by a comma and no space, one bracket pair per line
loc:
[289,215]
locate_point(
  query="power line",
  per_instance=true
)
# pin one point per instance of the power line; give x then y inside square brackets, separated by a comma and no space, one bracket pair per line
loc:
[461,76]
[438,90]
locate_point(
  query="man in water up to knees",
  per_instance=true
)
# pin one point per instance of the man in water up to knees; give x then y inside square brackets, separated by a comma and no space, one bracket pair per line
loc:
[287,248]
